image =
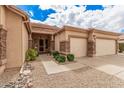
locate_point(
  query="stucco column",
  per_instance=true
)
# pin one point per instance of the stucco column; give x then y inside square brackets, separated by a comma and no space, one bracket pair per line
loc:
[52,43]
[117,46]
[91,44]
[30,41]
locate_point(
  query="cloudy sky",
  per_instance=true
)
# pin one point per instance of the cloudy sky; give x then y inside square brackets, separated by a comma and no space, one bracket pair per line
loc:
[110,18]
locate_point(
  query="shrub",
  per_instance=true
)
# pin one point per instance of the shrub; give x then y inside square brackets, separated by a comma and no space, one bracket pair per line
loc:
[70,57]
[37,54]
[56,56]
[61,59]
[55,53]
[31,54]
[121,47]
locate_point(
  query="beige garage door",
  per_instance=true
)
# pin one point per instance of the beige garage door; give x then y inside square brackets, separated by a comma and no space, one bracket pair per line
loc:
[105,47]
[78,46]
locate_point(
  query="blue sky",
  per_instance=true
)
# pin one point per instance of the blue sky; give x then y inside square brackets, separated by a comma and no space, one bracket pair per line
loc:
[38,14]
[42,15]
[110,18]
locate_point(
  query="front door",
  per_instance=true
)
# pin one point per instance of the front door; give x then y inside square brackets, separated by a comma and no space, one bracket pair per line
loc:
[43,45]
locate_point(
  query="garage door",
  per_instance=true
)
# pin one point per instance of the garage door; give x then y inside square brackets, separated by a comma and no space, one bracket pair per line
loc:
[78,46]
[105,47]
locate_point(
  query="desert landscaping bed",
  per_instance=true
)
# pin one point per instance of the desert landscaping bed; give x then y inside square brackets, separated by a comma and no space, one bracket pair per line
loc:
[84,77]
[8,76]
[21,78]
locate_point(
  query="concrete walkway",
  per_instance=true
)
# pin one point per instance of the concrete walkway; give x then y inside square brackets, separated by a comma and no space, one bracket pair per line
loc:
[52,67]
[113,65]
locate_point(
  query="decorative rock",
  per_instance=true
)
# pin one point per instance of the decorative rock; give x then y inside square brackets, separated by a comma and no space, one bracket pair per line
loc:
[26,72]
[24,80]
[29,85]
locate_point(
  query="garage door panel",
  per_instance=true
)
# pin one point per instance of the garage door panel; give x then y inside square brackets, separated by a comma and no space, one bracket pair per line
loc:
[105,47]
[78,46]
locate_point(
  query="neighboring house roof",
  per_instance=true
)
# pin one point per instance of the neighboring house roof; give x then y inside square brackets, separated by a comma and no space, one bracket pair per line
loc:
[21,13]
[77,29]
[43,28]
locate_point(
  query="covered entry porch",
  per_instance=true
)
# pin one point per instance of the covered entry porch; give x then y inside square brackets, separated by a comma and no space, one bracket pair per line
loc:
[44,43]
[43,37]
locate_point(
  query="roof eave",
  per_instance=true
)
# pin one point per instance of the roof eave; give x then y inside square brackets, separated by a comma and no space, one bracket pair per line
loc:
[21,13]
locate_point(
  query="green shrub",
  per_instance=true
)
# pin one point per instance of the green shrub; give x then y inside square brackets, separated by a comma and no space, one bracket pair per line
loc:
[55,53]
[56,56]
[61,59]
[121,47]
[70,57]
[37,54]
[31,54]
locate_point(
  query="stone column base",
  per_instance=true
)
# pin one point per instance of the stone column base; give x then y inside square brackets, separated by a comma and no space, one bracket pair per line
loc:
[65,47]
[91,49]
[52,45]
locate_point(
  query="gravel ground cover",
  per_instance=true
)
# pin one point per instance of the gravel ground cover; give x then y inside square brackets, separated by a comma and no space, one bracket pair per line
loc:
[8,76]
[85,77]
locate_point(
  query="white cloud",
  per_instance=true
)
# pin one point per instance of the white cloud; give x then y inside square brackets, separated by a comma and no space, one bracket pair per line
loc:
[31,13]
[35,21]
[57,8]
[111,18]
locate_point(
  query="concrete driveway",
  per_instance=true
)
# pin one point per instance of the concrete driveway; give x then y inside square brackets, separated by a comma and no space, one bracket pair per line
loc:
[113,64]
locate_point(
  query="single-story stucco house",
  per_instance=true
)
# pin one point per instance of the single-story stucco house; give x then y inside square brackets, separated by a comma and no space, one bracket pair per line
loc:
[81,42]
[17,34]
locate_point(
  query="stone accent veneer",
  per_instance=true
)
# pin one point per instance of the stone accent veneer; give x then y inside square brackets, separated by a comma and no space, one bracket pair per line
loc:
[91,47]
[65,46]
[3,35]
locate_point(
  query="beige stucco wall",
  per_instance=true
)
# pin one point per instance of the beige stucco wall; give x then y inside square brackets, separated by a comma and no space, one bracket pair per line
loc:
[72,33]
[24,41]
[105,47]
[14,39]
[78,46]
[105,36]
[2,15]
[58,38]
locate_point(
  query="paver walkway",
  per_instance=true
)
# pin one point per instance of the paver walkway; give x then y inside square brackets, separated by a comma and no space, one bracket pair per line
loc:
[87,76]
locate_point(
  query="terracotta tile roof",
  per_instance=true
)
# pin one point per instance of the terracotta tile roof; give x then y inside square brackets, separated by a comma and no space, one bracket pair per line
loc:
[43,28]
[40,25]
[77,29]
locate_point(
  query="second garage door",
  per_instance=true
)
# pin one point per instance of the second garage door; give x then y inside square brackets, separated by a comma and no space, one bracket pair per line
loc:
[78,46]
[105,47]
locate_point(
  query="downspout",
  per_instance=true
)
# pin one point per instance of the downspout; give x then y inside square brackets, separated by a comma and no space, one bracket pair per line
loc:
[29,33]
